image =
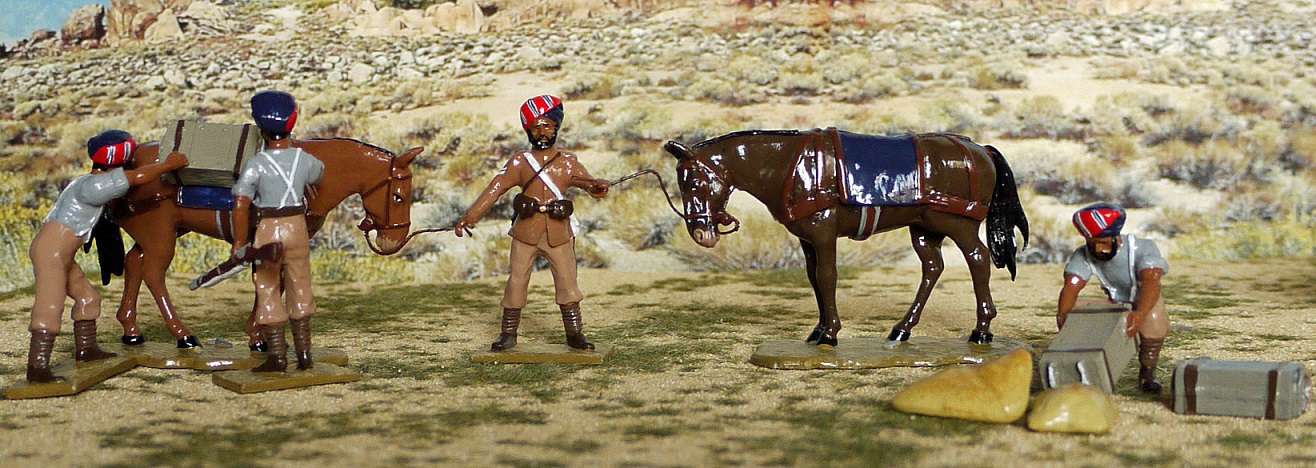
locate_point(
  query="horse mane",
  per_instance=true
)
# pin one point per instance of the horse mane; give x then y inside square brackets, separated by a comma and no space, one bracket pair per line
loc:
[354,140]
[716,140]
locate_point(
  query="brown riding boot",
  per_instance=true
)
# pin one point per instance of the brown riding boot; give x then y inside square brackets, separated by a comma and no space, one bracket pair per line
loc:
[571,322]
[85,348]
[507,339]
[38,357]
[301,342]
[1149,351]
[276,354]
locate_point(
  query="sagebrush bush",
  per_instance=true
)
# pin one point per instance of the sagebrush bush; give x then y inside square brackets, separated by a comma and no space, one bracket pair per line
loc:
[994,77]
[1250,240]
[1214,165]
[592,86]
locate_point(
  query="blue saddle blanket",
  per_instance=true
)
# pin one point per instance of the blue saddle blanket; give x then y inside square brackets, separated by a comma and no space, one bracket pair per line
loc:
[878,170]
[205,198]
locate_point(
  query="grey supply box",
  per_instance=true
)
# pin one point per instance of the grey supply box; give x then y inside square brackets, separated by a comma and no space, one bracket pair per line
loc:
[215,151]
[1268,390]
[1092,348]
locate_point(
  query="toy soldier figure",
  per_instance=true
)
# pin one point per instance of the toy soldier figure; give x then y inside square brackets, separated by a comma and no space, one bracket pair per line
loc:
[1130,271]
[67,227]
[542,224]
[274,182]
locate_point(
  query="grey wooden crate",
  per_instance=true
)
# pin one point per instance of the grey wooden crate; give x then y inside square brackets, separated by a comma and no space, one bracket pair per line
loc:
[1092,348]
[1267,390]
[215,151]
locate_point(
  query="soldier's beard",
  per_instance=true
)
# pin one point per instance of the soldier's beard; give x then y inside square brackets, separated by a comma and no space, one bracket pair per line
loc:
[1104,256]
[543,143]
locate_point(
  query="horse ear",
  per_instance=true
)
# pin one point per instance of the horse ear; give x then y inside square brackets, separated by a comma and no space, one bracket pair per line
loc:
[677,149]
[408,157]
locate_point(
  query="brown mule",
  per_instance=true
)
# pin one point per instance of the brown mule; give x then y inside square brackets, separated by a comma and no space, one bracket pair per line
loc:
[149,215]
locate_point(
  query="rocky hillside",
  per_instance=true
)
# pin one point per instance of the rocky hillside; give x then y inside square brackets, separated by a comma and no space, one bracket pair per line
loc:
[244,46]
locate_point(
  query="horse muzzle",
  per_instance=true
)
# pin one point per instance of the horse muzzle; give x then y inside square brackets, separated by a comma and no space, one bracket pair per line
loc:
[705,236]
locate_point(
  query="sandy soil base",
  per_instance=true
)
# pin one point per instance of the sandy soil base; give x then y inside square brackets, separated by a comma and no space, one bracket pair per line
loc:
[677,391]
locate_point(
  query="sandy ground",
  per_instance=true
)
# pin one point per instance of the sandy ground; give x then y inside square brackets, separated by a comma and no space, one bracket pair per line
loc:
[678,391]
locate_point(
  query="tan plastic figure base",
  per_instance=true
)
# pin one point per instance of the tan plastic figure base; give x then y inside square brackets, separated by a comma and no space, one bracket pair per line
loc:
[167,356]
[77,377]
[244,381]
[541,353]
[869,353]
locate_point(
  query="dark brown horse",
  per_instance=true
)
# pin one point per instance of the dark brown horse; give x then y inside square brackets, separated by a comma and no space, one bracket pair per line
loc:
[149,214]
[961,184]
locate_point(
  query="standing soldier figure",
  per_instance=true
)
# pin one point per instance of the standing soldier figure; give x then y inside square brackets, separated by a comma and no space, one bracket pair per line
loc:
[67,227]
[275,181]
[542,223]
[1130,271]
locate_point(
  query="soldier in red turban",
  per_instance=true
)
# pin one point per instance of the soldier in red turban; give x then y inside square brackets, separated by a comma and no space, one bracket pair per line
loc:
[542,224]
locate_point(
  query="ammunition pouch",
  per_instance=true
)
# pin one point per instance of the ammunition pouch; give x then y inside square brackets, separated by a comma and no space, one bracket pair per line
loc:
[524,207]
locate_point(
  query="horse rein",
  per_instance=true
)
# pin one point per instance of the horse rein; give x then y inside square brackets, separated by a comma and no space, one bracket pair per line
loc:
[718,219]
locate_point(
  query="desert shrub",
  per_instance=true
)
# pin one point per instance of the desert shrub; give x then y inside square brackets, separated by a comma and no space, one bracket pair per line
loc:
[1213,165]
[1193,125]
[593,86]
[1116,149]
[871,87]
[1300,152]
[330,125]
[639,216]
[340,266]
[721,90]
[1042,117]
[195,253]
[843,68]
[1051,239]
[764,244]
[753,70]
[800,83]
[996,77]
[1249,240]
[949,115]
[1252,100]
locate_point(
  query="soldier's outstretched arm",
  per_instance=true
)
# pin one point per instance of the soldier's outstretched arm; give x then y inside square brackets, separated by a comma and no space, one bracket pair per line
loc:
[150,172]
[501,183]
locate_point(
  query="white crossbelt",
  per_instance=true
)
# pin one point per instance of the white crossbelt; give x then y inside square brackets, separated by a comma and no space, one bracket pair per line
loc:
[534,164]
[289,197]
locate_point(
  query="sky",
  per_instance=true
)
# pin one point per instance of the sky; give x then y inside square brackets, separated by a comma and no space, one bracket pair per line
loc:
[18,18]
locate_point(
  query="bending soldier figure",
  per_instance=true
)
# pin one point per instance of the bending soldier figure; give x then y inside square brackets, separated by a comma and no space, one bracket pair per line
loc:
[1130,271]
[274,182]
[542,224]
[67,227]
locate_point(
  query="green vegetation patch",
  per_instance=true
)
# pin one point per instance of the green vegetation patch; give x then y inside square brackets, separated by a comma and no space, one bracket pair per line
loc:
[384,311]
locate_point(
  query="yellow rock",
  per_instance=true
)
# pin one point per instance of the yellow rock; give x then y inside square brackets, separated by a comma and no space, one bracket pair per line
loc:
[1073,407]
[994,391]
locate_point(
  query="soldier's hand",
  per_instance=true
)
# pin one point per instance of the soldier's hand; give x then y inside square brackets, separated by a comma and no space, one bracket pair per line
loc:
[1133,322]
[236,247]
[176,160]
[463,226]
[599,188]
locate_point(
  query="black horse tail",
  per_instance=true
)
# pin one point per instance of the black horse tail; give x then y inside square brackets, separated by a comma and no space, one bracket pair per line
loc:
[1004,214]
[109,247]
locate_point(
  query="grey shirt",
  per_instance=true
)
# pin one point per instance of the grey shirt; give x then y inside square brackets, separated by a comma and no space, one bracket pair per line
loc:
[1119,275]
[80,204]
[277,178]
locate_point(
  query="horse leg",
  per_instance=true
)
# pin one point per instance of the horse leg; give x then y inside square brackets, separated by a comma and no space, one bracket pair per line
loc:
[154,274]
[811,267]
[927,245]
[980,263]
[132,286]
[821,256]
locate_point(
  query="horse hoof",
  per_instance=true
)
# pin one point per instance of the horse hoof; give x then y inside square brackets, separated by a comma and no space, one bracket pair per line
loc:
[980,337]
[188,342]
[132,340]
[258,347]
[814,336]
[823,340]
[898,335]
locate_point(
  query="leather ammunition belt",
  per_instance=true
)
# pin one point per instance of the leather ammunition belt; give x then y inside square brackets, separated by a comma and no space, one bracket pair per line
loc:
[296,210]
[525,207]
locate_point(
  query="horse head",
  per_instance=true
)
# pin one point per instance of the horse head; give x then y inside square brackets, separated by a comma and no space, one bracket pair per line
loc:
[388,204]
[704,195]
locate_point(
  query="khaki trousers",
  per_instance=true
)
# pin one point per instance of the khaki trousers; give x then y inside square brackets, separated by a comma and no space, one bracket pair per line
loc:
[561,262]
[290,277]
[58,276]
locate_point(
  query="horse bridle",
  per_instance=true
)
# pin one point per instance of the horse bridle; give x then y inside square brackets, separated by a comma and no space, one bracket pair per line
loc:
[719,218]
[370,223]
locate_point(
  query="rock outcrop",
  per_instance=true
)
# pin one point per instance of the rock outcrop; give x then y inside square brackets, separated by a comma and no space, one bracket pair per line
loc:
[994,391]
